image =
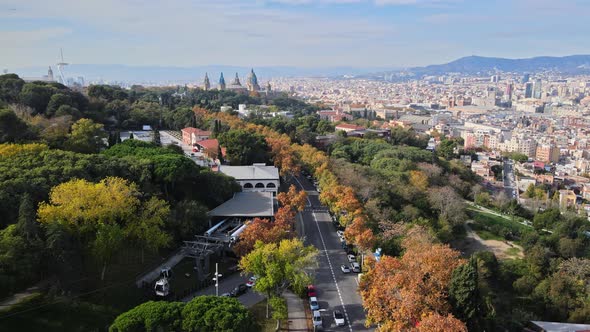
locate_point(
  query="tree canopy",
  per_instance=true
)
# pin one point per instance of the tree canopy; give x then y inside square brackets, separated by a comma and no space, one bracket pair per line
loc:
[203,313]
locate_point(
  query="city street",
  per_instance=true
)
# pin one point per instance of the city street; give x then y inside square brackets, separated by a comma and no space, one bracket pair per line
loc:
[336,290]
[248,299]
[509,181]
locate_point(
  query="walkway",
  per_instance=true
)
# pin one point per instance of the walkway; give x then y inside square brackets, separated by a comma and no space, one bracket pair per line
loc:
[8,302]
[297,319]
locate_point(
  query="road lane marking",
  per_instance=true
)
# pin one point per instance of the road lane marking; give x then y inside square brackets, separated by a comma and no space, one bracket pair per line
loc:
[332,271]
[306,196]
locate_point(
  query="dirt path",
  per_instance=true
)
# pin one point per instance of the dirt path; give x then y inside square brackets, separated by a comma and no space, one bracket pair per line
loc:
[501,249]
[8,302]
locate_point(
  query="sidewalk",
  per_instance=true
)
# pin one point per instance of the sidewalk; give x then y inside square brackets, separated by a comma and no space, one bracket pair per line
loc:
[297,319]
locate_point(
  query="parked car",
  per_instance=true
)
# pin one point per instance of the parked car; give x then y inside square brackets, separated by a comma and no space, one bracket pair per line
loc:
[338,318]
[344,268]
[355,267]
[313,303]
[317,320]
[252,281]
[311,291]
[351,258]
[239,290]
[340,233]
[343,244]
[226,295]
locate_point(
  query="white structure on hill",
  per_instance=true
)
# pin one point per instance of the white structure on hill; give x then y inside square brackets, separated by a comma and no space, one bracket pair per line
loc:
[257,177]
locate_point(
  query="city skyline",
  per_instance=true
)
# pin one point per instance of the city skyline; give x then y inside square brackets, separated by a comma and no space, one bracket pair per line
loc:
[382,33]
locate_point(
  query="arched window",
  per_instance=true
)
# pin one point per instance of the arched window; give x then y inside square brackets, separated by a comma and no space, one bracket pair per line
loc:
[259,185]
[271,185]
[248,185]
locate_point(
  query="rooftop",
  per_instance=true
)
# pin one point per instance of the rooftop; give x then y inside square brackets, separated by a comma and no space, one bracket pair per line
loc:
[254,172]
[349,126]
[211,144]
[246,204]
[196,131]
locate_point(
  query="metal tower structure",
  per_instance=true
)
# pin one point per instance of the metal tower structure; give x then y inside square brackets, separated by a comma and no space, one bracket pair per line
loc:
[60,67]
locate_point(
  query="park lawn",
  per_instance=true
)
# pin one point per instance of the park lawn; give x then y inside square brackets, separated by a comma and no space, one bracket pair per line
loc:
[487,221]
[485,234]
[266,325]
[514,252]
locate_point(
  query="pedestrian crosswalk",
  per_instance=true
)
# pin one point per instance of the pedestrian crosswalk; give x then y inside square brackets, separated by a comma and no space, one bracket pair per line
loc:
[315,209]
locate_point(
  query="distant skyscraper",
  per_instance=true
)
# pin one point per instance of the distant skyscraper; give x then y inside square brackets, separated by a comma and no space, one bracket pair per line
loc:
[528,90]
[221,82]
[525,77]
[206,83]
[537,89]
[508,92]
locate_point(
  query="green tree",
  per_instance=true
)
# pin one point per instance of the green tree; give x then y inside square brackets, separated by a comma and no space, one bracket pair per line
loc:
[446,148]
[36,95]
[190,219]
[108,242]
[27,225]
[483,198]
[56,101]
[279,310]
[12,128]
[86,137]
[547,218]
[279,266]
[530,191]
[216,314]
[244,147]
[150,317]
[463,292]
[147,229]
[10,87]
[19,260]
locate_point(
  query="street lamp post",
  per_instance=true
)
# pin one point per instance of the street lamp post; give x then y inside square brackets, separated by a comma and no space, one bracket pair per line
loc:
[216,279]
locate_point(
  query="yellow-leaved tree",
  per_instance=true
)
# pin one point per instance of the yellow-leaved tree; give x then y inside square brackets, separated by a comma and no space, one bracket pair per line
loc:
[106,215]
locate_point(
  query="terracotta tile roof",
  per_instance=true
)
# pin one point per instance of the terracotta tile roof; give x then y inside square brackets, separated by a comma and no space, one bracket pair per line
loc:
[209,143]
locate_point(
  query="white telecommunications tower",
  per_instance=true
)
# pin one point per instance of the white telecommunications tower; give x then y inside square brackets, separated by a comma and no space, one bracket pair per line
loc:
[60,67]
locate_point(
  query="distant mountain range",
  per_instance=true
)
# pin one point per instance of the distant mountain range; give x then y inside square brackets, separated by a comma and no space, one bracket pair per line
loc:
[174,75]
[573,64]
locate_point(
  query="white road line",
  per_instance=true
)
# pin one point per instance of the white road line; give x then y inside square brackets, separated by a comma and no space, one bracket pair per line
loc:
[300,185]
[332,271]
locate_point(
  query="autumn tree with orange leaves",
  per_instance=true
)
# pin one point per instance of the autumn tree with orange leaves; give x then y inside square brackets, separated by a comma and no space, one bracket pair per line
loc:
[266,231]
[437,323]
[293,199]
[398,293]
[261,230]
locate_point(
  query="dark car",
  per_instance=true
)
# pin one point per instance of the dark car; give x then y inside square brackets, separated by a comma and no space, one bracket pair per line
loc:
[239,290]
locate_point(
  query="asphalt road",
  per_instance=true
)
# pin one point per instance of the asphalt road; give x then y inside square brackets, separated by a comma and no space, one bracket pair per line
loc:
[248,299]
[509,181]
[336,290]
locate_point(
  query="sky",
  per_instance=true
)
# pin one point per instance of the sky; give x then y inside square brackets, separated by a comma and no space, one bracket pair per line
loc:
[302,33]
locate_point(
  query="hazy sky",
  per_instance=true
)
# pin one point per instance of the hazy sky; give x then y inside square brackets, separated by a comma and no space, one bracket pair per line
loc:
[307,33]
